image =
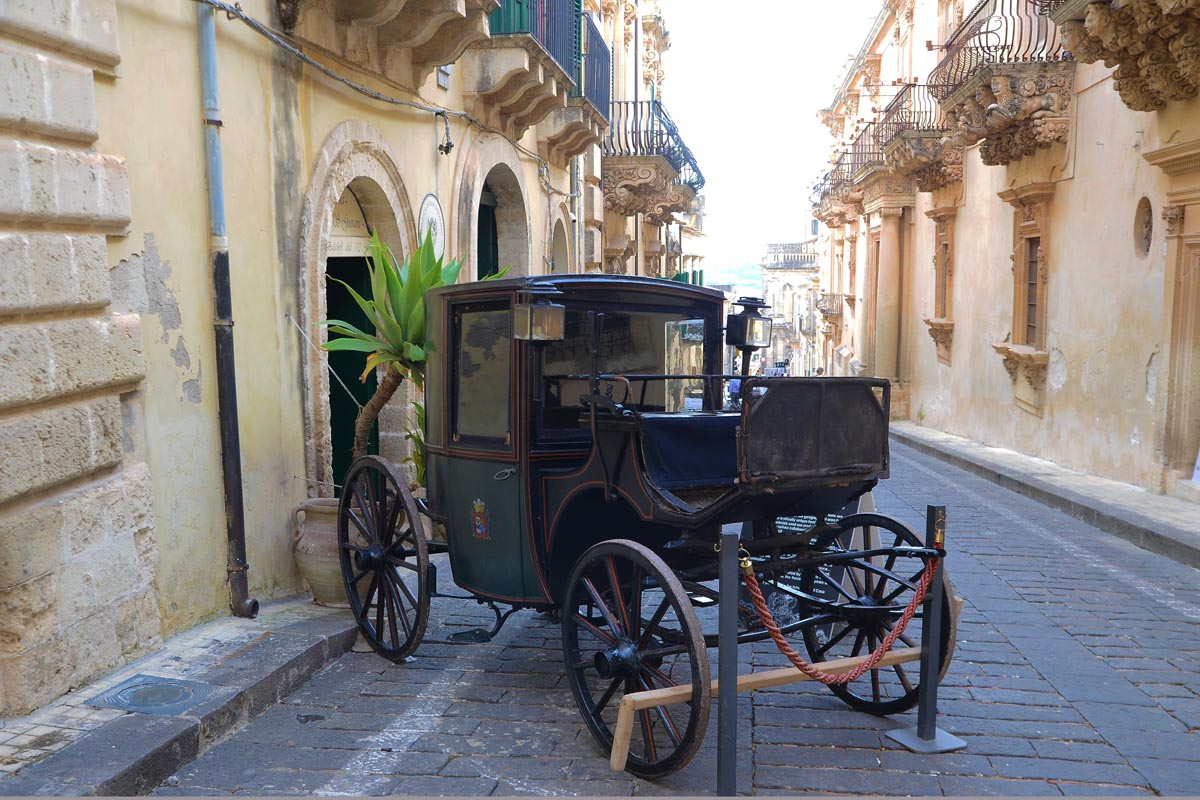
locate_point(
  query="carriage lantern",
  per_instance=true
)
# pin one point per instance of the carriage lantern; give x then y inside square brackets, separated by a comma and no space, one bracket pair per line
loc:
[748,330]
[539,319]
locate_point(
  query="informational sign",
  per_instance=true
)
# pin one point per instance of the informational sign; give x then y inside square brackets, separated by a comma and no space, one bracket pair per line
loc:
[430,220]
[349,235]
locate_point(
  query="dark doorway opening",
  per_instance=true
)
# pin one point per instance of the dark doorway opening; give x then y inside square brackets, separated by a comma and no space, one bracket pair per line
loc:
[488,246]
[348,365]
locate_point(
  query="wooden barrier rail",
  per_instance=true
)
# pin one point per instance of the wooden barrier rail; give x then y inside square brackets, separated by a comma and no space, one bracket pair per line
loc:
[638,701]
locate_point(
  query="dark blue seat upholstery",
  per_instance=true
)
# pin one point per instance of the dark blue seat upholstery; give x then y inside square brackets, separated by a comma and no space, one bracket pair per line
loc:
[683,450]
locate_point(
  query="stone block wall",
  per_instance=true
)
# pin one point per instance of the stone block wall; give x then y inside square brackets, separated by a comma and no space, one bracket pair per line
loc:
[78,556]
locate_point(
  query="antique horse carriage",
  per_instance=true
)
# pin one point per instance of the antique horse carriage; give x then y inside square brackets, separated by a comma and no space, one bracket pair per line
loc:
[583,459]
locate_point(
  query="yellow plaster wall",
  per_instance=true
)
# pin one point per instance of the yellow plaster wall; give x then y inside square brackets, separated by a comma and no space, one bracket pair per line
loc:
[273,130]
[1104,327]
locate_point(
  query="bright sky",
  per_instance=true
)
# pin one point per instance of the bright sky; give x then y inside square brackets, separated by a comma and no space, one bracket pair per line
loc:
[744,82]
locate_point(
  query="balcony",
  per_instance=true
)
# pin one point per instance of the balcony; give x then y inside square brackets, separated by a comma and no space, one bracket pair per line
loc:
[911,134]
[526,70]
[1153,45]
[830,305]
[1005,80]
[829,204]
[569,131]
[647,167]
[401,40]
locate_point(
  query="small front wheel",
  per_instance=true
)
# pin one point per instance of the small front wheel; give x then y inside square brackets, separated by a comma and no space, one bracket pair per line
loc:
[628,626]
[385,561]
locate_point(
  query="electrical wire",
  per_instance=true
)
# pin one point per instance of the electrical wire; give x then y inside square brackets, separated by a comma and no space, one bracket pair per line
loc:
[234,11]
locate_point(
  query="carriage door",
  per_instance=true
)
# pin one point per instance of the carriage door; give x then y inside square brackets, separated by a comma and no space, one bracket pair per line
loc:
[481,476]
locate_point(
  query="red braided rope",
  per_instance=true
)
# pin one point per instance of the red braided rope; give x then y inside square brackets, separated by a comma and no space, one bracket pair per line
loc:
[760,605]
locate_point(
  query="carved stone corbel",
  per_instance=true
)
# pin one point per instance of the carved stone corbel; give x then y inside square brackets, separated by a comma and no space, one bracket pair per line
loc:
[1173,219]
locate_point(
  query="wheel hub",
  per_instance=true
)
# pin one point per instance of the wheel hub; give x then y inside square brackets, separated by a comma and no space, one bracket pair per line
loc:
[618,662]
[866,612]
[371,558]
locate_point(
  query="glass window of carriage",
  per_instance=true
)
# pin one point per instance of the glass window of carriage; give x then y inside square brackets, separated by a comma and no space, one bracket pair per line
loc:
[482,375]
[649,342]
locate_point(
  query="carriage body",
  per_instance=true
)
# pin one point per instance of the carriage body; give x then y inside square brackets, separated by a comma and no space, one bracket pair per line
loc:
[586,465]
[526,481]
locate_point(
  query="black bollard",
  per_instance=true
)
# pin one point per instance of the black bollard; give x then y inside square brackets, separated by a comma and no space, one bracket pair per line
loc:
[925,737]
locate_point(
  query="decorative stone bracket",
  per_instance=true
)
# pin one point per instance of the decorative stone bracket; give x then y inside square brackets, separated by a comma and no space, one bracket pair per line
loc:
[1015,108]
[401,40]
[942,333]
[570,131]
[637,184]
[1026,368]
[926,157]
[1155,45]
[513,83]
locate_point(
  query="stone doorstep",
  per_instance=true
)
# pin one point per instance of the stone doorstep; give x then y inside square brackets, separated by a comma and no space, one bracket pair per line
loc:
[1159,536]
[132,753]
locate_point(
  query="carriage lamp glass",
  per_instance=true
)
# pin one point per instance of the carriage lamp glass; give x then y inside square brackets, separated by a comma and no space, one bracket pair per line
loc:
[539,322]
[748,328]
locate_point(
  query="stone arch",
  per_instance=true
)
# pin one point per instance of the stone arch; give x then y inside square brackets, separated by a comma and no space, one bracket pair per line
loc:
[493,159]
[354,156]
[560,258]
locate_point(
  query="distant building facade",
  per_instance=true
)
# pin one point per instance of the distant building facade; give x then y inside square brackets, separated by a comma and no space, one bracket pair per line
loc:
[1013,228]
[791,287]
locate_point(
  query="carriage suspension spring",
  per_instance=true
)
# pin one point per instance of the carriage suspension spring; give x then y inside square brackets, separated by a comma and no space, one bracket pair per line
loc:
[830,678]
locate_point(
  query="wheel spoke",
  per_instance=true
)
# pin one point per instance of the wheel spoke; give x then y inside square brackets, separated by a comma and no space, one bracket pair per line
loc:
[635,603]
[654,671]
[608,638]
[601,607]
[618,600]
[372,592]
[398,582]
[400,562]
[360,524]
[648,735]
[858,643]
[833,640]
[671,650]
[668,723]
[393,612]
[598,708]
[393,516]
[837,586]
[903,676]
[653,624]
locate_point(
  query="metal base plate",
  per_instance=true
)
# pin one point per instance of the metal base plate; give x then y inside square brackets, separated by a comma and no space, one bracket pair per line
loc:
[152,694]
[941,742]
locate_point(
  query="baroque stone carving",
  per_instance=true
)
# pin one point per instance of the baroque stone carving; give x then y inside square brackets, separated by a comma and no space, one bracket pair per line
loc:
[1173,219]
[1155,45]
[927,157]
[1014,108]
[678,197]
[638,188]
[942,333]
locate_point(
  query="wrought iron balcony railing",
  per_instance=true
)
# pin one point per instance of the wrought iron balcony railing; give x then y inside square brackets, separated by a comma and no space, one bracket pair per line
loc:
[996,32]
[865,150]
[643,128]
[593,80]
[821,189]
[914,108]
[554,24]
[830,305]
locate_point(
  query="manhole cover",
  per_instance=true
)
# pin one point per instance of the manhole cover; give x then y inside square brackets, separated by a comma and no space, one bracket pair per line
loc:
[151,694]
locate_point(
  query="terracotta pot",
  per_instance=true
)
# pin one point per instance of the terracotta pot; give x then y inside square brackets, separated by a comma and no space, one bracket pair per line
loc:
[314,545]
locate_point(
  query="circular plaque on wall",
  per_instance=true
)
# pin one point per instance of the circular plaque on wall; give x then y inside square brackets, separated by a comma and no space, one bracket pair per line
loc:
[430,220]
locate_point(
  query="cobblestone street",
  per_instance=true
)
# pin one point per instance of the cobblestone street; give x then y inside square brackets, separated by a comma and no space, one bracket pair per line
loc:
[1077,671]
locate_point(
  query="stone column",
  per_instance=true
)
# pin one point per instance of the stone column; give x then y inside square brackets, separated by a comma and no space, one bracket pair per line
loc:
[887,296]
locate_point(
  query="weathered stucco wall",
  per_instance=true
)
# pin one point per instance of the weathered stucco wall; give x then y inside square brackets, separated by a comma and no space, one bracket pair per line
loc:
[278,121]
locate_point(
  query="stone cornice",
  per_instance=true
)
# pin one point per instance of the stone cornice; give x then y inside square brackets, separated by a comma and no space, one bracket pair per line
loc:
[1176,159]
[887,191]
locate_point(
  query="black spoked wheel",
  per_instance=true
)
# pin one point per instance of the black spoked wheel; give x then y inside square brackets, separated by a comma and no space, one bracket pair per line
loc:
[872,593]
[628,626]
[385,562]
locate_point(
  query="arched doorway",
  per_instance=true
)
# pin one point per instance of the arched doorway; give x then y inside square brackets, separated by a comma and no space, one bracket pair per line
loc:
[560,262]
[503,231]
[345,269]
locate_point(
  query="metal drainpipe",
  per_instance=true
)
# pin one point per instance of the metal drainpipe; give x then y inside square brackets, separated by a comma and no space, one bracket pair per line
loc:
[240,602]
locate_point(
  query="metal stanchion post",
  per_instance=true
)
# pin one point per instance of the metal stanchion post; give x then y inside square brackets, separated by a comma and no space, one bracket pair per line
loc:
[727,666]
[925,737]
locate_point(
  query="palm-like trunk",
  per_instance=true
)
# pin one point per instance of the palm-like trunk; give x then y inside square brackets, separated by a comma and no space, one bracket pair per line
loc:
[370,412]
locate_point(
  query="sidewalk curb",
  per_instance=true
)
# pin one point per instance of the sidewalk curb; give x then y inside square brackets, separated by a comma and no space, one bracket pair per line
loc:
[1157,536]
[136,752]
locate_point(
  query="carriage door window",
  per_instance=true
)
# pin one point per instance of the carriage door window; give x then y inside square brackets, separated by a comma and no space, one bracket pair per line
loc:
[482,359]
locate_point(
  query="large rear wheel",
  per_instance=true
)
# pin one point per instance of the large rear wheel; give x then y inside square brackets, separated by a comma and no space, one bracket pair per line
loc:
[871,593]
[628,626]
[385,562]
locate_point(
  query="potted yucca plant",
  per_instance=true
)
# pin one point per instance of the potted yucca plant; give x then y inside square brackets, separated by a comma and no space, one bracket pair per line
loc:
[397,346]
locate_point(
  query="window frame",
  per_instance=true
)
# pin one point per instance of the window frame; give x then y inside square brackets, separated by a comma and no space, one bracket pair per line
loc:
[475,441]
